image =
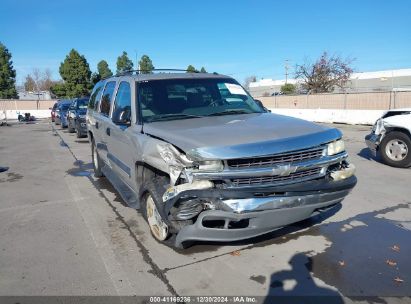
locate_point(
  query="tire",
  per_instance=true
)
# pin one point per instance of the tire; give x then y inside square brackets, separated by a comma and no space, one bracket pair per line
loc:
[70,129]
[154,190]
[395,149]
[78,133]
[97,163]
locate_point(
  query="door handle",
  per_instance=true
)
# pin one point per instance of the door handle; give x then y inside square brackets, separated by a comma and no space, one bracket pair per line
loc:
[96,124]
[108,131]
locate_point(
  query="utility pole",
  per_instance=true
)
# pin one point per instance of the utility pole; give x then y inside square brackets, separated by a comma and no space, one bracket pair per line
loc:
[137,65]
[286,67]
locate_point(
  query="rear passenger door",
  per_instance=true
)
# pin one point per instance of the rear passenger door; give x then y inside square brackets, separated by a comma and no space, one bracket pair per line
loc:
[120,147]
[102,124]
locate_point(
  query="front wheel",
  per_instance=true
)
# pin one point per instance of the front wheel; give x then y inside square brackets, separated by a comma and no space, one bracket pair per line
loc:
[97,163]
[151,205]
[395,149]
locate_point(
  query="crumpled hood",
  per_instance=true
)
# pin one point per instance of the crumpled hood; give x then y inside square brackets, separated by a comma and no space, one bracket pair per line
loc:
[238,136]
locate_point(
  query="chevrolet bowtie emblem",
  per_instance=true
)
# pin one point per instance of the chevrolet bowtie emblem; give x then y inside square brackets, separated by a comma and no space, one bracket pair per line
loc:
[284,170]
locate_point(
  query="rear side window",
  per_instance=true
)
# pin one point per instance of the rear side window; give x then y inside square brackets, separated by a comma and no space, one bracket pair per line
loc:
[122,104]
[106,98]
[95,96]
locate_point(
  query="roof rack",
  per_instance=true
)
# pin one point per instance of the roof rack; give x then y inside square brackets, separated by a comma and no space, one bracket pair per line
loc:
[130,72]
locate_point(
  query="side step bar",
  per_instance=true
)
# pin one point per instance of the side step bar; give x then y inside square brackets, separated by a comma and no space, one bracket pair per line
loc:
[126,193]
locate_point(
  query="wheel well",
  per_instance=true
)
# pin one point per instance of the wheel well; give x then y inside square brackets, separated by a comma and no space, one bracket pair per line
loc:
[396,129]
[144,173]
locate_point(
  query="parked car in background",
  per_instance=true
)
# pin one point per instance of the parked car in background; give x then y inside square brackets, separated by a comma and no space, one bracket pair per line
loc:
[76,117]
[204,161]
[390,137]
[53,111]
[61,113]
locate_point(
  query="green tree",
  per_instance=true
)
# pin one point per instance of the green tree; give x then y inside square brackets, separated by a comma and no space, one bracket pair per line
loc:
[59,89]
[203,70]
[146,65]
[124,63]
[288,88]
[76,73]
[95,77]
[103,69]
[29,84]
[191,69]
[7,74]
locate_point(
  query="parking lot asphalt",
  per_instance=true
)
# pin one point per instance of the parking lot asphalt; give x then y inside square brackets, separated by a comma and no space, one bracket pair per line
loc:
[65,232]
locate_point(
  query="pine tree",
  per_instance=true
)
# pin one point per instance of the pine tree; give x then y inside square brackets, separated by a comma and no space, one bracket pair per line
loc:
[103,69]
[7,75]
[203,70]
[76,73]
[191,69]
[146,65]
[124,63]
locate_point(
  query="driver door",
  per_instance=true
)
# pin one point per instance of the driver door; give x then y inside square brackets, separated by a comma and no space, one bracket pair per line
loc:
[119,142]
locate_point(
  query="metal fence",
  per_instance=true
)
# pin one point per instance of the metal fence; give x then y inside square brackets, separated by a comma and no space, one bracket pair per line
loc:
[344,101]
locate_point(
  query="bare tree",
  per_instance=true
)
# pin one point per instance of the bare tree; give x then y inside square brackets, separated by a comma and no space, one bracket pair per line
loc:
[39,81]
[325,74]
[47,80]
[249,80]
[29,84]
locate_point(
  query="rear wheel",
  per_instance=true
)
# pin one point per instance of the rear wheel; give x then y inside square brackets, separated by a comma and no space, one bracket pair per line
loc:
[395,149]
[78,132]
[70,128]
[97,163]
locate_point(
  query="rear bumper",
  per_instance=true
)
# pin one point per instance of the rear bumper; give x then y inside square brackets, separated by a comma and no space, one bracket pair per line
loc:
[278,211]
[372,141]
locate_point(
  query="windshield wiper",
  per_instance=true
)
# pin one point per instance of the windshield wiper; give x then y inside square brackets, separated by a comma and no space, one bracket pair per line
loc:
[230,112]
[173,116]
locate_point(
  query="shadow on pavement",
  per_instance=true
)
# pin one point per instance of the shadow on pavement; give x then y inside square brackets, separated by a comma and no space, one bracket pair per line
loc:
[301,287]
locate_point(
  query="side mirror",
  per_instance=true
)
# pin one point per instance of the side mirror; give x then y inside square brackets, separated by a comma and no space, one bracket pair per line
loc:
[123,118]
[257,101]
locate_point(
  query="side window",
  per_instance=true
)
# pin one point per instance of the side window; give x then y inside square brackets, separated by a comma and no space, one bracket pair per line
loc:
[122,104]
[106,98]
[95,96]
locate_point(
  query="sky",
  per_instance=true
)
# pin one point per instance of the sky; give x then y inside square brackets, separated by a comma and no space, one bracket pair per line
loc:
[239,38]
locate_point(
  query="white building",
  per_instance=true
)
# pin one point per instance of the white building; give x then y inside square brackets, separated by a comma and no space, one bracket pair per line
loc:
[390,80]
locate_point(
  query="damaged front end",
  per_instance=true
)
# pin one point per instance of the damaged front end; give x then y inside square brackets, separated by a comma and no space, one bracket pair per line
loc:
[389,121]
[233,199]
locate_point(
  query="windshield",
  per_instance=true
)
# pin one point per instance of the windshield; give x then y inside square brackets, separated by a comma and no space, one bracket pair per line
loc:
[190,98]
[82,103]
[64,106]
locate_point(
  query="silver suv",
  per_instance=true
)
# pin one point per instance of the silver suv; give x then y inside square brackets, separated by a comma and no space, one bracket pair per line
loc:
[204,161]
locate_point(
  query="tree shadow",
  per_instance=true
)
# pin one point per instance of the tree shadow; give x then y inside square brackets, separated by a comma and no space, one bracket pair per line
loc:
[302,289]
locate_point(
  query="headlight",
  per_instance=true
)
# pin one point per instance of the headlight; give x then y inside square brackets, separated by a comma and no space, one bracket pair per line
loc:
[211,165]
[335,147]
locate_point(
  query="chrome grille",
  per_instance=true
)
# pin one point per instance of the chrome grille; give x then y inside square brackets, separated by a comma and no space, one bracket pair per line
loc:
[269,161]
[278,179]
